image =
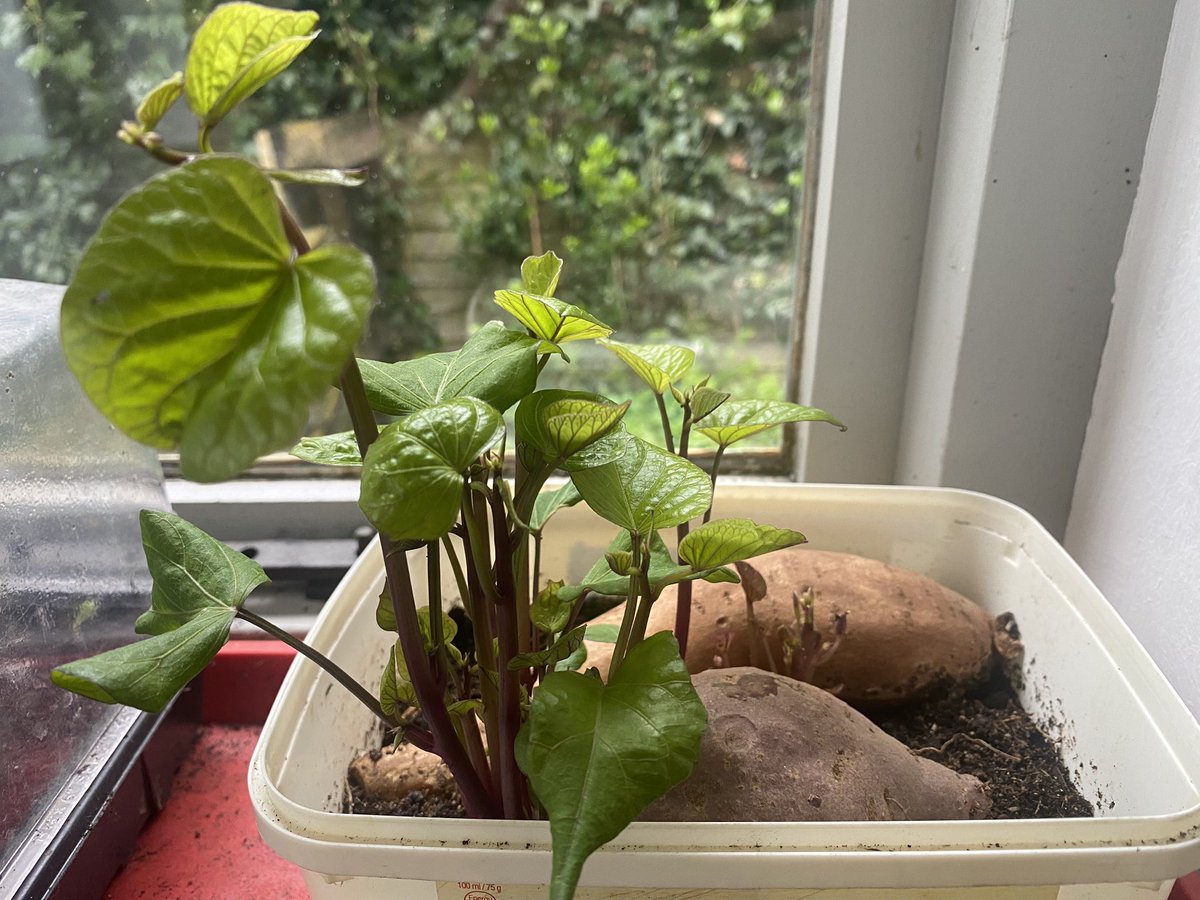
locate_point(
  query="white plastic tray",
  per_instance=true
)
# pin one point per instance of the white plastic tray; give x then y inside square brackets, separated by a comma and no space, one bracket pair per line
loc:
[1131,745]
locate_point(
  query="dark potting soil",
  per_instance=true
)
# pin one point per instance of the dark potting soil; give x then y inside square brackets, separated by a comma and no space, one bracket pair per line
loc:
[418,803]
[984,733]
[987,734]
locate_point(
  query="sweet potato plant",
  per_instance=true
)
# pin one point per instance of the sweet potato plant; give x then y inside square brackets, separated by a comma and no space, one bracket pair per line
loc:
[200,320]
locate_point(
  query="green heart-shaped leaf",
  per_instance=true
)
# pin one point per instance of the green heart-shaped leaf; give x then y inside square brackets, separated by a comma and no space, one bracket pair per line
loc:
[190,325]
[540,273]
[726,541]
[738,419]
[550,502]
[339,449]
[553,321]
[148,673]
[412,479]
[496,365]
[645,489]
[320,177]
[556,652]
[597,755]
[705,401]
[659,365]
[237,49]
[192,572]
[161,98]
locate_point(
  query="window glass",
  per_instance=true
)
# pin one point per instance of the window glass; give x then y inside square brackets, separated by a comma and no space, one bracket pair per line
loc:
[657,147]
[72,572]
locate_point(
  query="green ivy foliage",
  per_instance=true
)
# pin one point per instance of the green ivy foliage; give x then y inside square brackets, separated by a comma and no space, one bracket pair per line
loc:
[658,144]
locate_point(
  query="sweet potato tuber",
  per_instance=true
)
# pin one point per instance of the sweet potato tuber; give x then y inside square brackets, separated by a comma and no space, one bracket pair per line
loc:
[907,634]
[781,750]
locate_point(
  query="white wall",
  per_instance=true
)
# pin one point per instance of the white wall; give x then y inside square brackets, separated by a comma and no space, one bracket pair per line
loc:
[1044,122]
[1135,520]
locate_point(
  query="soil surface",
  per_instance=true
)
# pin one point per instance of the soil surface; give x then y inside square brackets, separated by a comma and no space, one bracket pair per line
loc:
[987,734]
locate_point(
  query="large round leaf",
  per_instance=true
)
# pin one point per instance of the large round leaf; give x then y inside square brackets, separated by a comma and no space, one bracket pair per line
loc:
[412,477]
[190,324]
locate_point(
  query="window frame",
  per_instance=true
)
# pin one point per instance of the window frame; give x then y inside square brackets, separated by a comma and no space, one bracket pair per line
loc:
[921,101]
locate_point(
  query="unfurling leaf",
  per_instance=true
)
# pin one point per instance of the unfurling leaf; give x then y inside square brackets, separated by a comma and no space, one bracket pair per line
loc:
[540,273]
[597,754]
[550,320]
[339,449]
[412,478]
[739,419]
[192,572]
[320,177]
[161,98]
[659,365]
[495,365]
[619,561]
[645,489]
[705,401]
[464,707]
[223,366]
[385,613]
[238,49]
[449,628]
[726,541]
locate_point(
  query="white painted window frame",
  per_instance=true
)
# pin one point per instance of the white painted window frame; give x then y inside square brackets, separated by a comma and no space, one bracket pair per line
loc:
[980,163]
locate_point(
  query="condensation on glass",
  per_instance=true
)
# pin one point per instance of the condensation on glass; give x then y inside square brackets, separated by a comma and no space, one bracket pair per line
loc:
[72,574]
